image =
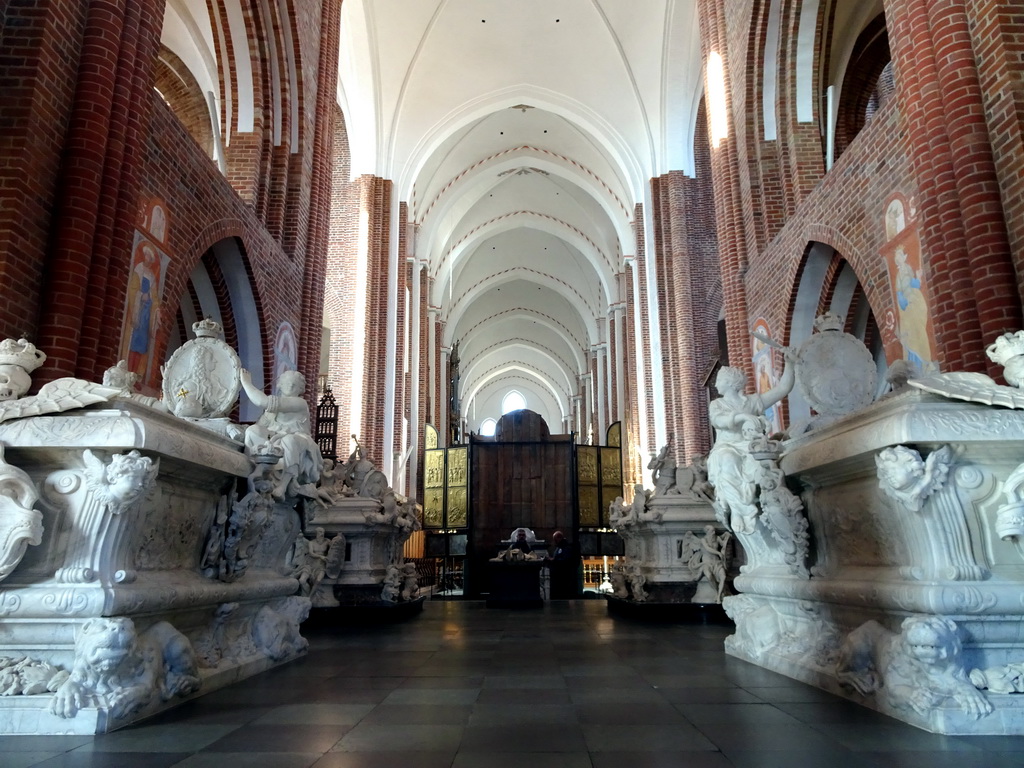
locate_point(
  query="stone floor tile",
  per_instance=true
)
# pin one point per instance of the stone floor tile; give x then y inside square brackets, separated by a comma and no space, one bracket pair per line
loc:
[405,738]
[281,738]
[678,737]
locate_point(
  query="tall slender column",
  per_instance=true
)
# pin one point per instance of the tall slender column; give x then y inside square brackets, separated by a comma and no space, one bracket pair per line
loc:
[725,174]
[620,360]
[443,428]
[414,376]
[600,353]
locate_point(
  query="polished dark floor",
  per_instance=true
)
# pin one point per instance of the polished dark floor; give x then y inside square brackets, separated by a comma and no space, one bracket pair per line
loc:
[564,686]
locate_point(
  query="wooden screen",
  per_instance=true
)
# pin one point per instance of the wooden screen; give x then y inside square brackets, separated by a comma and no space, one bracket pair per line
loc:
[516,484]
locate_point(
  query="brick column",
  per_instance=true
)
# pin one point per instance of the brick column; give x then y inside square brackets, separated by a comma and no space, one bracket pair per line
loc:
[619,360]
[725,174]
[375,238]
[997,29]
[963,234]
[321,183]
[98,187]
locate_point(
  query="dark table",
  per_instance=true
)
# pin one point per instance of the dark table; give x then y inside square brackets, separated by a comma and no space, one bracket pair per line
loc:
[514,584]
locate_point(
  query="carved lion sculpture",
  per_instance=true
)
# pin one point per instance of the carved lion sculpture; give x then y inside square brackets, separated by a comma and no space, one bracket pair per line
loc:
[919,668]
[275,631]
[118,669]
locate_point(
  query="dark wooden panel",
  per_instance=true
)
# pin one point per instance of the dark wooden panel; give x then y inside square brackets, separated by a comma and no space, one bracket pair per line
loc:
[513,485]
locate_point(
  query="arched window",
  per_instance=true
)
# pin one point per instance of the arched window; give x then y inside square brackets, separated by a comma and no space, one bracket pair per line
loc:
[487,427]
[513,401]
[867,84]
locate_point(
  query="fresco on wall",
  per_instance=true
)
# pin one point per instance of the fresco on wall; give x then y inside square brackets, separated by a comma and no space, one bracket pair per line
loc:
[911,336]
[144,296]
[765,371]
[286,351]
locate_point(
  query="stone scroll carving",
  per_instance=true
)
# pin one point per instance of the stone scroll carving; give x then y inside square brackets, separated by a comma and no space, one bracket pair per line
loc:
[117,669]
[938,536]
[20,524]
[115,490]
[1010,516]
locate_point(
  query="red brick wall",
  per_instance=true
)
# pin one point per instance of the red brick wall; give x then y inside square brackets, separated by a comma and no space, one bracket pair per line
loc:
[997,36]
[375,201]
[182,92]
[40,47]
[204,209]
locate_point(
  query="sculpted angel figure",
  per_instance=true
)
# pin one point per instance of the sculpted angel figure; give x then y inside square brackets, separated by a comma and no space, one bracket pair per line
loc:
[738,418]
[123,483]
[663,472]
[907,478]
[285,425]
[708,556]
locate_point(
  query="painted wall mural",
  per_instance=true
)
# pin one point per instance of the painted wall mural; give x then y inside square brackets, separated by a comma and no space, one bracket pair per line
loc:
[765,371]
[144,297]
[286,352]
[910,334]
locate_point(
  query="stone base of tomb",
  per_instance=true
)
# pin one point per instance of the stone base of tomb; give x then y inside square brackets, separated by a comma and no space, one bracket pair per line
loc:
[675,612]
[358,614]
[912,602]
[114,592]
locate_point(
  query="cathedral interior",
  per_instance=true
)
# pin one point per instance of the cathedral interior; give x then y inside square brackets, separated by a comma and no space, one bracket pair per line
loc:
[474,225]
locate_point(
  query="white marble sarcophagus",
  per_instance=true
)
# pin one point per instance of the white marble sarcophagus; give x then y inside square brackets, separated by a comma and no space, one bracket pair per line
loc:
[911,599]
[108,616]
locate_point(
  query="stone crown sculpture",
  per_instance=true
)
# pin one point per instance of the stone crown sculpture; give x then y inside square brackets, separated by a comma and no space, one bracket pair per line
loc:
[207,327]
[21,353]
[1008,351]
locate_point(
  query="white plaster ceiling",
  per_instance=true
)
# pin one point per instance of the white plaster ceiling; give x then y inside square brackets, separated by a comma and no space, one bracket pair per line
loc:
[522,135]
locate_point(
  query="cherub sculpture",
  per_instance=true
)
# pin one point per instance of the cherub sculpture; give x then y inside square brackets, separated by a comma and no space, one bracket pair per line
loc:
[124,483]
[907,478]
[285,425]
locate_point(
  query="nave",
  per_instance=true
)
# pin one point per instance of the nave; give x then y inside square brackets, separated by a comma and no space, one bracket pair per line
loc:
[566,686]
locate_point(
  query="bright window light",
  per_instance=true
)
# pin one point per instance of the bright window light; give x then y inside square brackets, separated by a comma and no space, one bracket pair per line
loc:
[717,100]
[487,427]
[513,401]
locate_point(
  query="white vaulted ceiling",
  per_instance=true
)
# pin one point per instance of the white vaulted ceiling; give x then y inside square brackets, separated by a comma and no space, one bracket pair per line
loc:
[522,134]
